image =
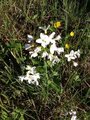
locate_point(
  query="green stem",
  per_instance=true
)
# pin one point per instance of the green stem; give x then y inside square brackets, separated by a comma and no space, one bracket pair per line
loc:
[47,78]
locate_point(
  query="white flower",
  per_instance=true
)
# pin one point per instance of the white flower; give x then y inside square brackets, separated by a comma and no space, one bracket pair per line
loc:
[51,36]
[60,50]
[21,78]
[71,56]
[28,67]
[27,46]
[30,38]
[50,57]
[68,57]
[44,54]
[57,38]
[35,52]
[53,40]
[75,64]
[44,40]
[54,59]
[53,48]
[31,70]
[73,117]
[73,113]
[31,76]
[38,49]
[77,53]
[33,79]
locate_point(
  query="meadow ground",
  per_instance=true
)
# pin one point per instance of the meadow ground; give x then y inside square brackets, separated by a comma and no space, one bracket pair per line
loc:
[44,60]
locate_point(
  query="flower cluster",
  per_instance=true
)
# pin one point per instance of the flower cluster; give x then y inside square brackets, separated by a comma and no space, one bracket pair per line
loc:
[73,114]
[72,56]
[48,47]
[31,76]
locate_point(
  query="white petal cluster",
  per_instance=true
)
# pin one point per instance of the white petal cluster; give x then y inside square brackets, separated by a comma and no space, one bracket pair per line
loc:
[54,48]
[49,48]
[44,54]
[35,52]
[73,115]
[53,58]
[45,40]
[72,56]
[31,76]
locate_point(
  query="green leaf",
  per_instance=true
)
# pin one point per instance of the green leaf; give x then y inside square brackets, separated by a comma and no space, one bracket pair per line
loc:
[18,114]
[4,115]
[54,86]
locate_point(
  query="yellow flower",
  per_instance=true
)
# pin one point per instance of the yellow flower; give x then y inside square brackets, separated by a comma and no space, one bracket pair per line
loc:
[67,46]
[72,34]
[57,24]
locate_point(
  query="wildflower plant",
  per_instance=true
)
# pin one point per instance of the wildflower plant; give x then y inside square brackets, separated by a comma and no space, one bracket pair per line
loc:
[31,76]
[43,72]
[49,50]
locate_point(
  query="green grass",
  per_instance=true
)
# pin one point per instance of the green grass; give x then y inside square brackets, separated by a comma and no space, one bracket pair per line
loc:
[62,87]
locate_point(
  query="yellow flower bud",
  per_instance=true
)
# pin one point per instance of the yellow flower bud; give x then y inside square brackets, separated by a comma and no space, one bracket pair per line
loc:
[67,46]
[72,34]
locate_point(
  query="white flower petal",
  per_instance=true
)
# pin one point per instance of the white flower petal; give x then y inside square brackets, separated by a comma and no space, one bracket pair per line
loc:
[34,55]
[73,117]
[52,35]
[37,49]
[27,46]
[28,67]
[50,57]
[55,60]
[77,53]
[57,38]
[30,38]
[43,36]
[45,28]
[39,41]
[53,48]
[45,54]
[21,78]
[75,64]
[60,50]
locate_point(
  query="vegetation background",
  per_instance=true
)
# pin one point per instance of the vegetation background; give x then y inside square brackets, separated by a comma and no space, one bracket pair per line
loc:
[49,101]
